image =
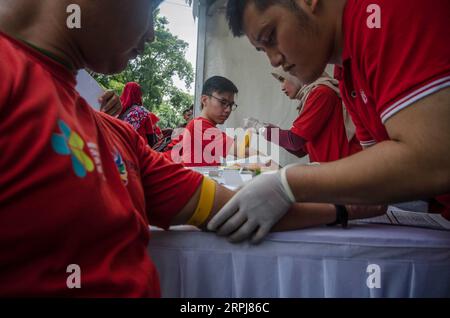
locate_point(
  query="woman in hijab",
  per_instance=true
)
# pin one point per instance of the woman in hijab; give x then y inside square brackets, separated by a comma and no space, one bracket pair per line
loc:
[323,129]
[134,113]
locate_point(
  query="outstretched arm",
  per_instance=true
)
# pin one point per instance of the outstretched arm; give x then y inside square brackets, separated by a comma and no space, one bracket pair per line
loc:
[287,140]
[414,164]
[300,215]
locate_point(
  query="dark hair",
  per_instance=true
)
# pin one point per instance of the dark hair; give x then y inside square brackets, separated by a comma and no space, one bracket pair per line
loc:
[236,8]
[219,84]
[155,4]
[187,110]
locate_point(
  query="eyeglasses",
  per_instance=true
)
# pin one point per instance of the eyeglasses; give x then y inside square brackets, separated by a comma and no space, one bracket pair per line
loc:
[224,103]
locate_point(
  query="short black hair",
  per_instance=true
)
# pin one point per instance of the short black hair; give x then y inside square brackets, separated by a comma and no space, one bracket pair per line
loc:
[236,8]
[187,110]
[155,4]
[219,84]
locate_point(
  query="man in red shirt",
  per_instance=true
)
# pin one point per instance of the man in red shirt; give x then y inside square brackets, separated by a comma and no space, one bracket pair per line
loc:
[202,143]
[81,186]
[395,83]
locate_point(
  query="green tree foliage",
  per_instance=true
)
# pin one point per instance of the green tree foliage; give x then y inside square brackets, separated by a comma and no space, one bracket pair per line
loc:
[181,100]
[171,112]
[154,70]
[169,116]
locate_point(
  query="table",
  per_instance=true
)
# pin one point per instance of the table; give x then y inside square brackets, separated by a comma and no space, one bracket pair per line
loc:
[319,262]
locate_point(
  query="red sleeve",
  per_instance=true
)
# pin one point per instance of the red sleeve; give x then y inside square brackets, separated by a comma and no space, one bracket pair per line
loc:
[318,108]
[405,60]
[6,82]
[167,186]
[362,134]
[227,143]
[186,145]
[176,140]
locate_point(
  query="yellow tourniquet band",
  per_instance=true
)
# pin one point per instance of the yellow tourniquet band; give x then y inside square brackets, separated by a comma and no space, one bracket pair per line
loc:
[247,138]
[245,143]
[205,204]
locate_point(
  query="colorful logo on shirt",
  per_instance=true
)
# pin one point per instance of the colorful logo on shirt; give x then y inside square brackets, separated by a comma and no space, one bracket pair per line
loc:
[69,143]
[121,167]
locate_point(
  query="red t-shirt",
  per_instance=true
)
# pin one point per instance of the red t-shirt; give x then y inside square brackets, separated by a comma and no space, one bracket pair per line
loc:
[175,140]
[388,69]
[63,199]
[321,124]
[201,144]
[148,176]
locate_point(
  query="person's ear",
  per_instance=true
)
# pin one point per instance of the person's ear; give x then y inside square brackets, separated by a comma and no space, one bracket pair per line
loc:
[309,5]
[313,4]
[203,100]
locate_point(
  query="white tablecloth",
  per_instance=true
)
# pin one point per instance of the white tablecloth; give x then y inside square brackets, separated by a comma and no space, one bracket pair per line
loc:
[321,262]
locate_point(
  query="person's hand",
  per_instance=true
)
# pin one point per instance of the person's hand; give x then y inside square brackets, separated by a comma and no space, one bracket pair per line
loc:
[253,123]
[267,131]
[110,103]
[255,209]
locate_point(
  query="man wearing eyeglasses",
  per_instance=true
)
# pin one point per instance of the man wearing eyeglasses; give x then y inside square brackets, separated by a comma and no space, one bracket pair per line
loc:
[202,143]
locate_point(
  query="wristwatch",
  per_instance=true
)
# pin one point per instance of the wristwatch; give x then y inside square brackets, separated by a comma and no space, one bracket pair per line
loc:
[341,216]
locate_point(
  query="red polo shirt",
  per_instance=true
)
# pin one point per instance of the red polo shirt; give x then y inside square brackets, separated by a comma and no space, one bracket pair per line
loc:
[77,188]
[321,124]
[388,69]
[201,144]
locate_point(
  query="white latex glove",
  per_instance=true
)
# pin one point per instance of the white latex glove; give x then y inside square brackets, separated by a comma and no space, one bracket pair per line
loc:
[253,123]
[255,209]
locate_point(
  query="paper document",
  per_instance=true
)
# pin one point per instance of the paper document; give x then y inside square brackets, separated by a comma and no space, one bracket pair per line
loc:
[89,89]
[263,160]
[396,216]
[232,178]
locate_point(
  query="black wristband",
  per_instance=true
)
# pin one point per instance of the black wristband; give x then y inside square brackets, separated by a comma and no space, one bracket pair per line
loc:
[341,216]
